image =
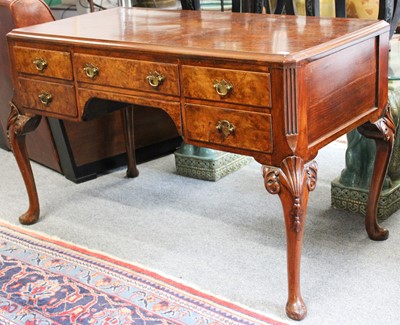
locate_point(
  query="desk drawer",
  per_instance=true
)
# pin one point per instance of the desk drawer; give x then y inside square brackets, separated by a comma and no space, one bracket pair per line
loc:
[55,64]
[238,129]
[248,88]
[51,97]
[128,74]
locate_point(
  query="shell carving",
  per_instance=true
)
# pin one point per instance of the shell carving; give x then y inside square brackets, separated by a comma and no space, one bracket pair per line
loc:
[292,175]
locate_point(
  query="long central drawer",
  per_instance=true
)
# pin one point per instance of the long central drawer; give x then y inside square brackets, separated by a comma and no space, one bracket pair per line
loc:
[128,74]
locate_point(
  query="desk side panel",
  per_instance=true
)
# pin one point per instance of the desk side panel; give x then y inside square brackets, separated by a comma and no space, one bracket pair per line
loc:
[341,91]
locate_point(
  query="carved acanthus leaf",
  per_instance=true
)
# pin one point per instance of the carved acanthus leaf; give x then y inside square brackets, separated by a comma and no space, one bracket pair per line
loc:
[13,116]
[312,170]
[271,179]
[385,125]
[20,124]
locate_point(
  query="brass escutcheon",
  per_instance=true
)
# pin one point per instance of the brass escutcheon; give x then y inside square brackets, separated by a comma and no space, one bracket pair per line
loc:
[223,87]
[155,79]
[225,127]
[91,70]
[40,64]
[45,98]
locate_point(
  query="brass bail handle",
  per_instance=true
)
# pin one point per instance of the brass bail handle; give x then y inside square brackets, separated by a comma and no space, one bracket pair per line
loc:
[91,70]
[223,87]
[155,79]
[225,127]
[40,64]
[45,98]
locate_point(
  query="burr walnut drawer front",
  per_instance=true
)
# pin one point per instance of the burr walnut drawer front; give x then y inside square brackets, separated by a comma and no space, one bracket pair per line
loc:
[232,128]
[127,74]
[233,86]
[52,97]
[55,64]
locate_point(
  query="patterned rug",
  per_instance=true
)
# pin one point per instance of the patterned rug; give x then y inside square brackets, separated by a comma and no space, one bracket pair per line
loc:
[47,281]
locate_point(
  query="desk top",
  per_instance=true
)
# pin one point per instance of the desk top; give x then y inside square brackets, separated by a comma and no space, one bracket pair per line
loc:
[272,38]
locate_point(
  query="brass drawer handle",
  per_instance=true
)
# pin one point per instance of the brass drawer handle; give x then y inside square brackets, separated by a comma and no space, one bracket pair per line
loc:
[225,127]
[155,79]
[223,87]
[40,64]
[91,70]
[45,98]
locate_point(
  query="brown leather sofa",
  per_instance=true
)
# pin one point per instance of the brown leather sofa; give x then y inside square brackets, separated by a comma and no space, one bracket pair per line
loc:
[14,13]
[77,150]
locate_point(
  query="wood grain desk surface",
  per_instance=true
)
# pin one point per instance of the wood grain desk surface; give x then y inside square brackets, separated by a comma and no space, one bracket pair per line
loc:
[247,36]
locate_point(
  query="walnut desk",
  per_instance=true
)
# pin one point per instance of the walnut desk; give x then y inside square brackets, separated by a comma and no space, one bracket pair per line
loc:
[277,88]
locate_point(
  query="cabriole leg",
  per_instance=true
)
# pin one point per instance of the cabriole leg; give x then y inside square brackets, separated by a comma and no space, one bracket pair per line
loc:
[127,114]
[292,182]
[17,127]
[382,132]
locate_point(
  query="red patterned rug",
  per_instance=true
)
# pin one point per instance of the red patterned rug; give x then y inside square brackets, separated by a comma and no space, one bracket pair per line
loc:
[47,281]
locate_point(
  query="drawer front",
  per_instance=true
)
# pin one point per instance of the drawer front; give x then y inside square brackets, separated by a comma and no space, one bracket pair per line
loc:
[50,97]
[241,87]
[238,129]
[128,74]
[55,64]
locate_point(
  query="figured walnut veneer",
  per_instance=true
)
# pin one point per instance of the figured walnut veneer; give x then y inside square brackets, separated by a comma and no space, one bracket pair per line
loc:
[57,59]
[277,88]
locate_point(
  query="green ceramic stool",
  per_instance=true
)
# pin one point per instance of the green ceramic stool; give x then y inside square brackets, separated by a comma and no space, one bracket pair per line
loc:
[350,190]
